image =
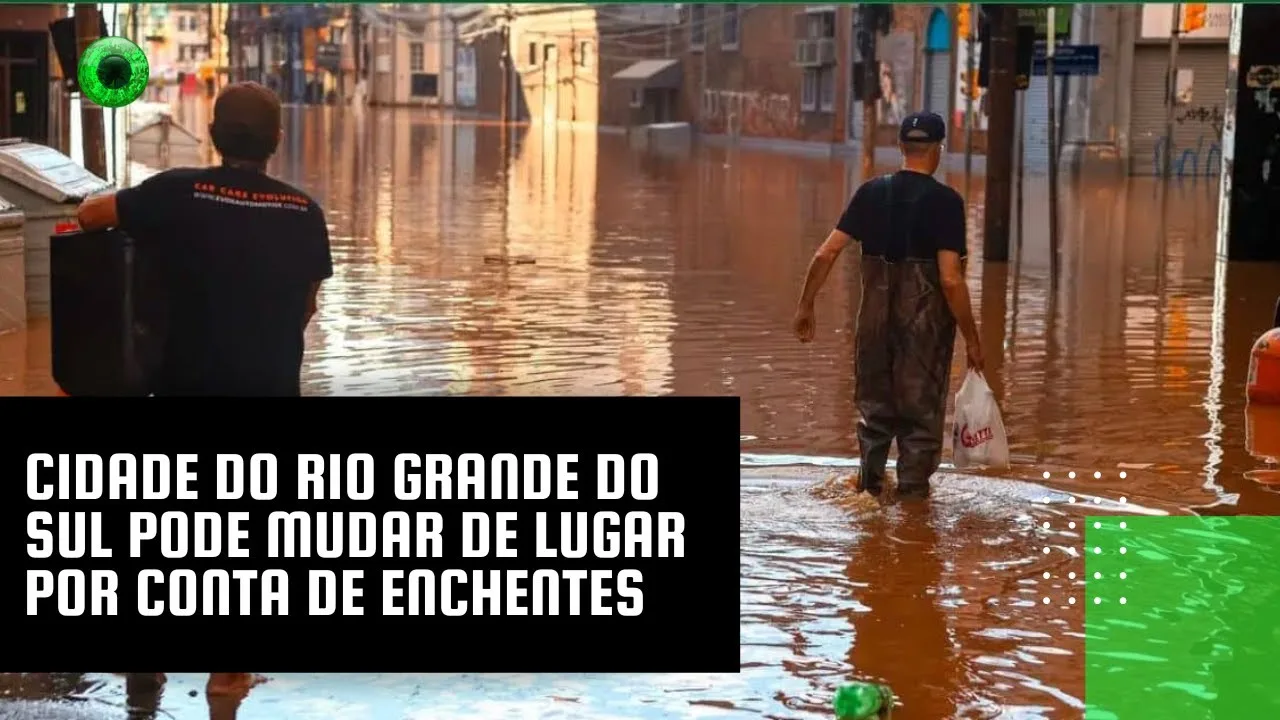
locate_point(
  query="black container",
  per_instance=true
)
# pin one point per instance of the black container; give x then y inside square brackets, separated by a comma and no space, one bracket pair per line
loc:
[108,315]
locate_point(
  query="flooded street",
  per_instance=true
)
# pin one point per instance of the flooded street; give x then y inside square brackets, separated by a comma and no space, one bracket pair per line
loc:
[469,262]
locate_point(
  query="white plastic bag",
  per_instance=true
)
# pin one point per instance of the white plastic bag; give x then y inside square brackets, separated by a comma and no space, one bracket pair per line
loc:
[978,439]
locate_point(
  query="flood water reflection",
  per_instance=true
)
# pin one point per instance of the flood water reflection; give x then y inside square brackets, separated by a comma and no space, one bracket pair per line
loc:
[473,261]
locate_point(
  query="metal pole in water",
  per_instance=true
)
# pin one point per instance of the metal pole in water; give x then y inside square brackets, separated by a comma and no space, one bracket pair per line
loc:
[1018,163]
[970,84]
[1171,91]
[1051,41]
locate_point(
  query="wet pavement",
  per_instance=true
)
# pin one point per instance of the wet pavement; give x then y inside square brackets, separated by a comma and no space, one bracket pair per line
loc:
[580,266]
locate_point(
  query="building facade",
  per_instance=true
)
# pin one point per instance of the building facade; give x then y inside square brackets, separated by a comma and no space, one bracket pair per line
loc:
[408,56]
[32,103]
[604,66]
[279,46]
[1200,81]
[786,72]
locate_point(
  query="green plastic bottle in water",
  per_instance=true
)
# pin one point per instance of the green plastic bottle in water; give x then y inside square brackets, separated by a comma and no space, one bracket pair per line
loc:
[862,700]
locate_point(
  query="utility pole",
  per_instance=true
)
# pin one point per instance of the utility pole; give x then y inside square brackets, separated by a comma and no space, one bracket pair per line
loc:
[1002,107]
[357,51]
[504,111]
[970,84]
[261,27]
[212,54]
[870,83]
[1051,40]
[1171,90]
[88,31]
[134,9]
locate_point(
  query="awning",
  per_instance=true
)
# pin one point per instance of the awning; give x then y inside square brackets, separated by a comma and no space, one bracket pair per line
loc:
[664,74]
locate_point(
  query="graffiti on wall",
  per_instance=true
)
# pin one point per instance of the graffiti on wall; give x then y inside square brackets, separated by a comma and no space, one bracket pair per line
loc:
[1204,158]
[1203,115]
[897,55]
[751,113]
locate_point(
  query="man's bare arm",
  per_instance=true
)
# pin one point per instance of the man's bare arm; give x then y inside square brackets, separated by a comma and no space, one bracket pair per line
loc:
[951,268]
[820,267]
[98,212]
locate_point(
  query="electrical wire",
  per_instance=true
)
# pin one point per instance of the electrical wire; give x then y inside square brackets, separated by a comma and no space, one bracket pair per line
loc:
[493,23]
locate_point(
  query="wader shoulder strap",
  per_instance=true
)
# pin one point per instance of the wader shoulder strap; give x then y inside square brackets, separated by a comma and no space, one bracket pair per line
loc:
[893,251]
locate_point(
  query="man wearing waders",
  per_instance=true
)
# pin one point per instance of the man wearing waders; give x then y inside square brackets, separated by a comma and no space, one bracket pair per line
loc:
[912,231]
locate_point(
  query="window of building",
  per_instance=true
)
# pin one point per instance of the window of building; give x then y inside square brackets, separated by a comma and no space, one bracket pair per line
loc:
[729,26]
[817,24]
[697,26]
[533,53]
[818,91]
[637,98]
[423,85]
[586,54]
[827,89]
[809,90]
[417,57]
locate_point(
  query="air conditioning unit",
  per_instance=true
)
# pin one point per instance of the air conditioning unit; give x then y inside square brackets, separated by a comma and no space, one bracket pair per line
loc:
[825,52]
[806,53]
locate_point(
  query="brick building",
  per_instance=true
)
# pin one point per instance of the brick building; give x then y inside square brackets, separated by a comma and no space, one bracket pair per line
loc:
[785,72]
[605,66]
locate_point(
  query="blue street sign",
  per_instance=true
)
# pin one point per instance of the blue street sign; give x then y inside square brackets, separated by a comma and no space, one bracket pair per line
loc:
[1067,60]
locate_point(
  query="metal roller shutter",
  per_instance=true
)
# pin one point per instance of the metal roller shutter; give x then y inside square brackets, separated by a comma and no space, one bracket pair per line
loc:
[1197,129]
[1035,126]
[937,92]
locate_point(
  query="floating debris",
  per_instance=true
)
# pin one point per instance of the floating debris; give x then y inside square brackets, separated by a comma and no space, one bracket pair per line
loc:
[518,260]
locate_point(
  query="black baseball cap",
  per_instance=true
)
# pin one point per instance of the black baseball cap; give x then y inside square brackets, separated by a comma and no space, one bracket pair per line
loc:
[923,127]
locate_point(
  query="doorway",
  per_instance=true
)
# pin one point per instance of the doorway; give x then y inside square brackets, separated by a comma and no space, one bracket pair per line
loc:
[24,85]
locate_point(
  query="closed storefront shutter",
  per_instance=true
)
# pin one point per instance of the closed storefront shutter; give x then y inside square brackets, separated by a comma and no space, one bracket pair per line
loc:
[1035,125]
[1197,127]
[938,82]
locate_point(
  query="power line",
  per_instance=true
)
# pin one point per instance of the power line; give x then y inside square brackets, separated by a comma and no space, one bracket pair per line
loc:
[658,30]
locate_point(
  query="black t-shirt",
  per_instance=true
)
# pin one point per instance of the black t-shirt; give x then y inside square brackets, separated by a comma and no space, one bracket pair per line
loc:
[907,215]
[238,252]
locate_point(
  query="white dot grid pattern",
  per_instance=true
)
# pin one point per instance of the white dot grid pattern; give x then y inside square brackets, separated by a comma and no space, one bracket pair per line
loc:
[1097,475]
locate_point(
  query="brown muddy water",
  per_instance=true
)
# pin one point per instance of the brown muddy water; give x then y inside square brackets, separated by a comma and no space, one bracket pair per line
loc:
[580,266]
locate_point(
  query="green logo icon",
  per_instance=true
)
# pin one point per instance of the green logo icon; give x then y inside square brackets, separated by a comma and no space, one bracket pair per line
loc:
[113,72]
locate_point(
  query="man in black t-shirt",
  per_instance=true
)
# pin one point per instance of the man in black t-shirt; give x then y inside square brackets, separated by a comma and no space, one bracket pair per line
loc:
[242,256]
[912,231]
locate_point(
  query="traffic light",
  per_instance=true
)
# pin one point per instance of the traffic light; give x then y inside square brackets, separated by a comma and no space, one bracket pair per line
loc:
[1193,16]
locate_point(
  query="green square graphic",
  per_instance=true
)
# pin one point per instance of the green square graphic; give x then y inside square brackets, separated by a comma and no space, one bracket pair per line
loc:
[1182,618]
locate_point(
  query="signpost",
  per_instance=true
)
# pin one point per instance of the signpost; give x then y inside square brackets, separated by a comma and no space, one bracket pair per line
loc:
[1040,17]
[1051,45]
[1067,60]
